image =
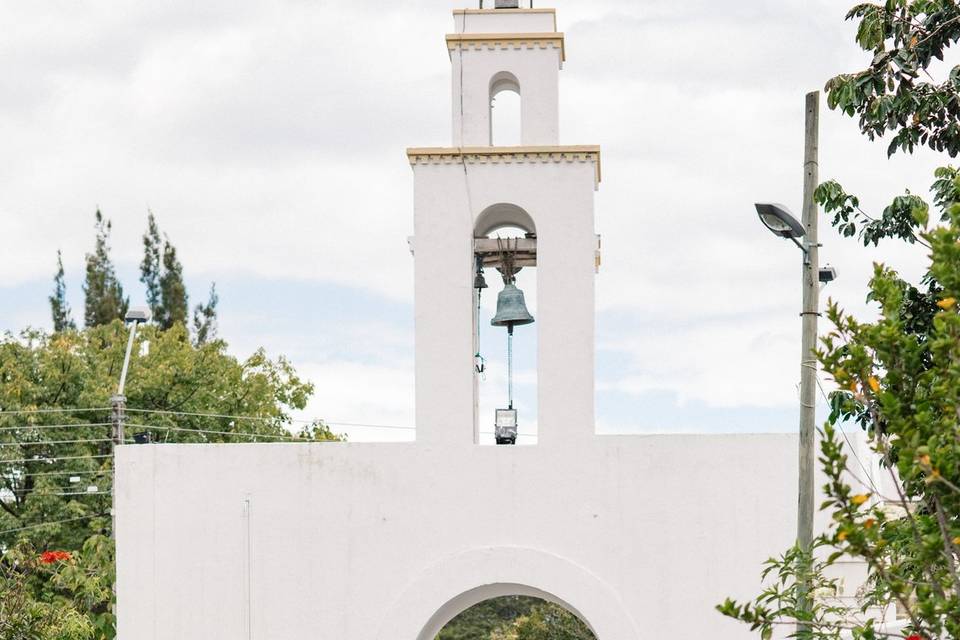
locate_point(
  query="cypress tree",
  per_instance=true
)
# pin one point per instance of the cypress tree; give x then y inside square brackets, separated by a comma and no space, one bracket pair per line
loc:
[150,267]
[59,308]
[173,293]
[205,318]
[103,294]
[162,274]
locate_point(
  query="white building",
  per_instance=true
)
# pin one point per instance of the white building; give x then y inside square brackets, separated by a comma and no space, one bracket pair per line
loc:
[638,535]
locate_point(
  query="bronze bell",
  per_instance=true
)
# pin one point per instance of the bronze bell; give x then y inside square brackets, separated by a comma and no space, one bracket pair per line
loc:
[511,308]
[479,282]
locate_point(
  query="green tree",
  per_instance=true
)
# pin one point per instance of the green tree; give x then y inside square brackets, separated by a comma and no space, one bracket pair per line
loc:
[898,376]
[548,621]
[150,266]
[59,308]
[515,618]
[162,274]
[205,318]
[173,291]
[23,616]
[103,294]
[55,448]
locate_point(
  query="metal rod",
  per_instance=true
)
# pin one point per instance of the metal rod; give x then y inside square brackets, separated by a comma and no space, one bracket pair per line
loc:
[510,366]
[126,359]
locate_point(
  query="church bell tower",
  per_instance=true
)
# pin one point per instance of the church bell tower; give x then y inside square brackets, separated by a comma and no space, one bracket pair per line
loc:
[467,191]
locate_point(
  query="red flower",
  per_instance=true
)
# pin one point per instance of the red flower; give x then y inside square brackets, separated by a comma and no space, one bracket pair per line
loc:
[49,557]
[915,636]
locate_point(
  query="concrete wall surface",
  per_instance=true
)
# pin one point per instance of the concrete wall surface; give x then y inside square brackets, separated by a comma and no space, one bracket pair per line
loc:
[640,535]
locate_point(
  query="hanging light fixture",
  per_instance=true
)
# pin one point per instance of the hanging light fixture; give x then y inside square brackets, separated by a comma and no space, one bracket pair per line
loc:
[511,311]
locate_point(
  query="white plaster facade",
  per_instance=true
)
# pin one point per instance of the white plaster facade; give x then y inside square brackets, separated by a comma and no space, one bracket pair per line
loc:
[639,535]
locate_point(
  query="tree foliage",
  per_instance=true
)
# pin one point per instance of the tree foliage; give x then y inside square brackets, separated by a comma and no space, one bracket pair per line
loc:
[898,376]
[205,318]
[516,618]
[103,294]
[56,466]
[162,274]
[59,308]
[896,93]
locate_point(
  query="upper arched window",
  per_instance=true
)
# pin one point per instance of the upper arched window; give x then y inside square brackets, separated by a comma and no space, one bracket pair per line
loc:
[505,119]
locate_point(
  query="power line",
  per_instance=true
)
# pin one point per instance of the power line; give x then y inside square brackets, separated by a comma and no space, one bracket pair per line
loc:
[28,427]
[98,492]
[268,418]
[45,442]
[65,473]
[55,522]
[198,414]
[850,446]
[9,412]
[54,459]
[290,438]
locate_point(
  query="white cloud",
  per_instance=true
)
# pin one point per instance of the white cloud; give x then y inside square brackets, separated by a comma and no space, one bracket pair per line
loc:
[268,138]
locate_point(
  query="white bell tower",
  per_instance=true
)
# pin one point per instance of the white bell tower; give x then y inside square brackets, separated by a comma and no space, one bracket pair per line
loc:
[466,191]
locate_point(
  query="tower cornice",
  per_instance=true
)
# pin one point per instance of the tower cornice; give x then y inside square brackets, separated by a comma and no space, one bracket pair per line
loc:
[481,12]
[508,41]
[508,155]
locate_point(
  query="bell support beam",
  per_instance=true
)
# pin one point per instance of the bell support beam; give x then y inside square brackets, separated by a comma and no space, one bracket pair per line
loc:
[490,253]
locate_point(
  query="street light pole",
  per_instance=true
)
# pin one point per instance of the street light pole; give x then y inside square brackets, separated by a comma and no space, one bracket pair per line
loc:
[810,314]
[808,342]
[778,219]
[118,402]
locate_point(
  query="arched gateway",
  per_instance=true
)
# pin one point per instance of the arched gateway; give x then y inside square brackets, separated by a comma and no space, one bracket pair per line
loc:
[454,584]
[350,541]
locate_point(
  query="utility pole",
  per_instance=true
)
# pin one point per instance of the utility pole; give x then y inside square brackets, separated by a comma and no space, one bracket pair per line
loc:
[809,315]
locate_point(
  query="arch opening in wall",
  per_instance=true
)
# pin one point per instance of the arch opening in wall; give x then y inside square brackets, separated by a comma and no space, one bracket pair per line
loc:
[506,126]
[494,393]
[502,610]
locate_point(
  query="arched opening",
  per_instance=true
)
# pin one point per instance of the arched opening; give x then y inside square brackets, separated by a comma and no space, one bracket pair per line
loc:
[506,365]
[516,617]
[505,110]
[505,611]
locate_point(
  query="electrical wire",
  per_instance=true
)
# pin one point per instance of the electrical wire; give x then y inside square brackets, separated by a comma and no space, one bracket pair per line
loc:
[54,459]
[11,412]
[290,438]
[55,522]
[65,473]
[28,427]
[335,423]
[71,493]
[850,446]
[46,442]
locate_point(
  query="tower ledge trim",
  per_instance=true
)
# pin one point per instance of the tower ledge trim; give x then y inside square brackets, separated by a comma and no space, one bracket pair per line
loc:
[507,155]
[472,12]
[507,41]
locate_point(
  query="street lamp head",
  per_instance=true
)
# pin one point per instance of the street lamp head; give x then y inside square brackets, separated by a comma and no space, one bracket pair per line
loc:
[138,315]
[779,220]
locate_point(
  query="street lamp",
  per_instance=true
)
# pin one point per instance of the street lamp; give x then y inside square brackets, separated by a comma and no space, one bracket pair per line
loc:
[778,219]
[134,317]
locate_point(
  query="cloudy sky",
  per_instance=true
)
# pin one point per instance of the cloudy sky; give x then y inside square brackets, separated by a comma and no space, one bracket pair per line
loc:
[254,132]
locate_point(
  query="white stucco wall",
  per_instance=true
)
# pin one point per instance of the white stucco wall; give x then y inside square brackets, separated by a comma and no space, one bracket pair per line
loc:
[371,541]
[640,535]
